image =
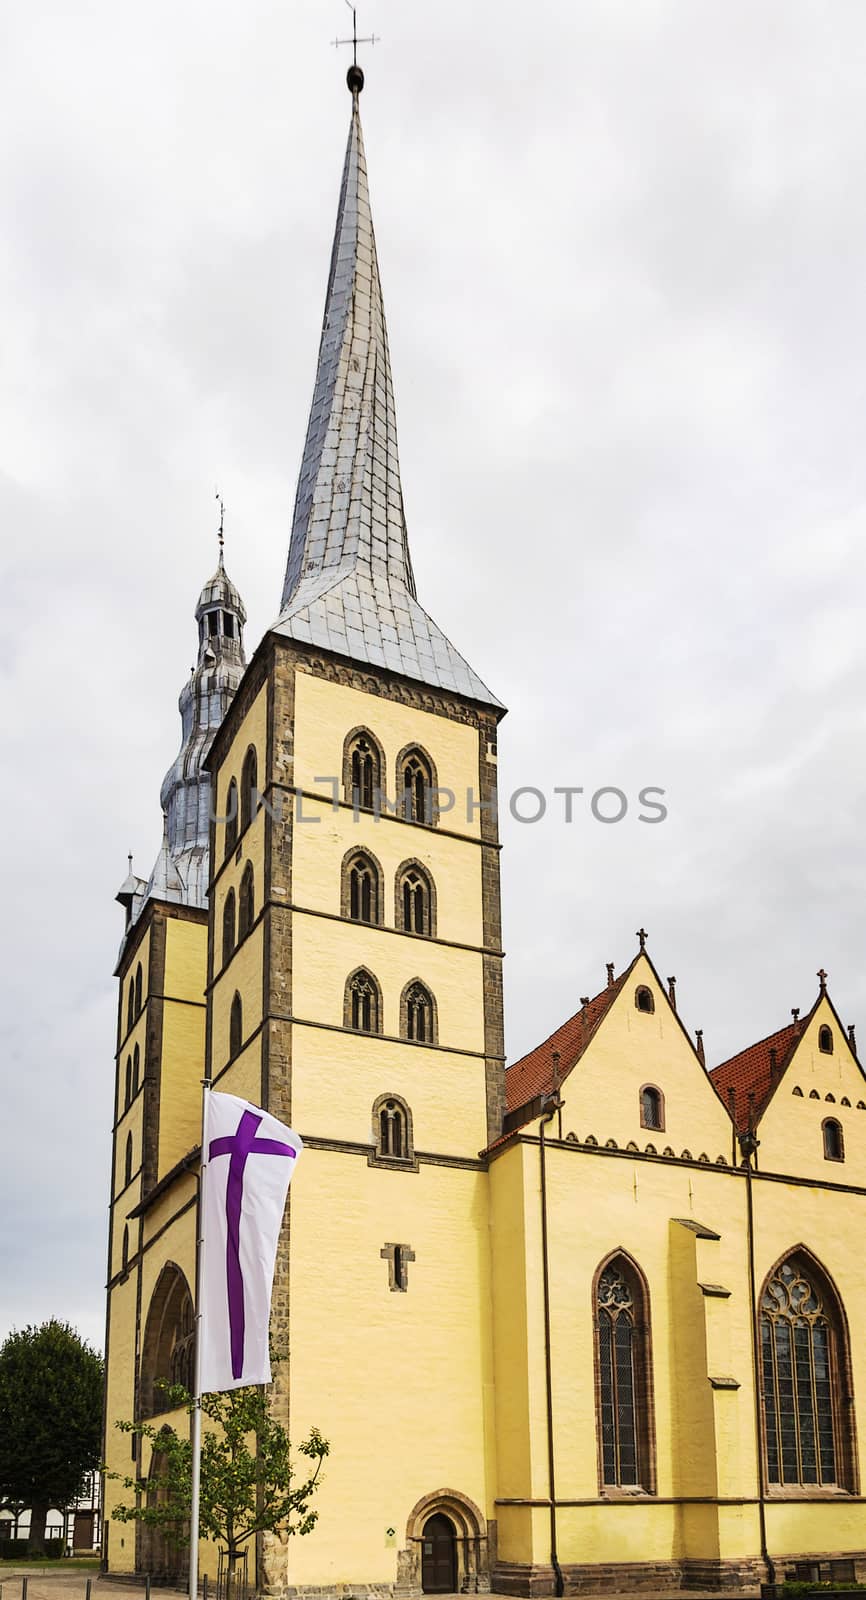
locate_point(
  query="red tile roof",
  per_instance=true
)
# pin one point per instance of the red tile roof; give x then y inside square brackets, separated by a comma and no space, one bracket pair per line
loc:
[750,1072]
[532,1075]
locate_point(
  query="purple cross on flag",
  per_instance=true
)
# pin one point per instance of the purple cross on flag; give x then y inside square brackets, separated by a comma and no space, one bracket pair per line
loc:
[248,1161]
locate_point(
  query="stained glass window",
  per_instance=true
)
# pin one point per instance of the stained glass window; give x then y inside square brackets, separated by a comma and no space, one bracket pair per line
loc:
[620,1398]
[796,1371]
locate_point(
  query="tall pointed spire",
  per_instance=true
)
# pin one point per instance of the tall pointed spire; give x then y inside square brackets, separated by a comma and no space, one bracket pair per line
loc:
[349,585]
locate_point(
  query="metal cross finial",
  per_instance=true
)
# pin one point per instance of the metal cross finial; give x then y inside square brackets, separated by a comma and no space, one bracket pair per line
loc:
[822,979]
[371,38]
[129,859]
[221,534]
[642,937]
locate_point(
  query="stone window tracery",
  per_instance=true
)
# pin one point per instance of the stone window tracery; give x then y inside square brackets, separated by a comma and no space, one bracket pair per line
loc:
[797,1361]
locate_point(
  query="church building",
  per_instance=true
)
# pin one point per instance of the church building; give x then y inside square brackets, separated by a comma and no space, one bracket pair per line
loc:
[592,1322]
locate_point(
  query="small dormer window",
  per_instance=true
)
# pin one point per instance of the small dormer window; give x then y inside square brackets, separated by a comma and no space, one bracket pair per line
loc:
[228,624]
[825,1040]
[213,623]
[643,998]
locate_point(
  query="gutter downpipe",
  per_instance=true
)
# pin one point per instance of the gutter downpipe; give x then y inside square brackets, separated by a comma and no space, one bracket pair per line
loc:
[552,1104]
[749,1146]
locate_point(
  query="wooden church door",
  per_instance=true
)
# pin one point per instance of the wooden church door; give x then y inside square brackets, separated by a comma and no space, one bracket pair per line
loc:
[439,1556]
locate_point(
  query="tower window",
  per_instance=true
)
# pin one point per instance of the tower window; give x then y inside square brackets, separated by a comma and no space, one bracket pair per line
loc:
[825,1040]
[228,624]
[652,1107]
[418,1014]
[361,886]
[249,782]
[124,1253]
[362,770]
[643,998]
[213,624]
[130,1005]
[231,816]
[228,926]
[236,1027]
[127,1161]
[834,1143]
[136,1064]
[416,901]
[128,1095]
[362,1005]
[247,904]
[416,786]
[392,1131]
[138,987]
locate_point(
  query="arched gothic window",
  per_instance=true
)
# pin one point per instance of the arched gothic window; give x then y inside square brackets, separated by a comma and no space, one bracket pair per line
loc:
[652,1107]
[138,984]
[168,1346]
[363,1003]
[249,784]
[127,1161]
[623,1355]
[130,1005]
[247,902]
[362,770]
[415,909]
[416,786]
[231,816]
[361,896]
[393,1142]
[228,926]
[825,1040]
[643,998]
[136,1066]
[128,1095]
[834,1141]
[807,1407]
[418,1014]
[236,1027]
[124,1250]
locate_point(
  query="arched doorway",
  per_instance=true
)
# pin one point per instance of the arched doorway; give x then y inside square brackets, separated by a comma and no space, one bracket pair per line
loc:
[439,1556]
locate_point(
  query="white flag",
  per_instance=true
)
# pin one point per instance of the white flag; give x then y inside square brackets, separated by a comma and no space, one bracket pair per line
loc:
[250,1159]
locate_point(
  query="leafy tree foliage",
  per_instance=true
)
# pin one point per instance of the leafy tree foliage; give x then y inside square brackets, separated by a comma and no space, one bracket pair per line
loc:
[246,1473]
[51,1386]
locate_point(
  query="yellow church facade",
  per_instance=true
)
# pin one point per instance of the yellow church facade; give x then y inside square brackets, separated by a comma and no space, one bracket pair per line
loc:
[597,1321]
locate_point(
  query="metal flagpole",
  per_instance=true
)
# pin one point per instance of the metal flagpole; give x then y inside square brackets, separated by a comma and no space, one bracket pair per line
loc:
[196,1415]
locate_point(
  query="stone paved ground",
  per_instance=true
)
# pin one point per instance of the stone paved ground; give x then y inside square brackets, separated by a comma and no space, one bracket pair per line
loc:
[55,1585]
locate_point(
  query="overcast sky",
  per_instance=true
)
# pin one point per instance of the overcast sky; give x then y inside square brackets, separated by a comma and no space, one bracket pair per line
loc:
[623,252]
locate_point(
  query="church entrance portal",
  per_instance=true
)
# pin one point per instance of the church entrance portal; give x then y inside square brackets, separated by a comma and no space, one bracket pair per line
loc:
[439,1556]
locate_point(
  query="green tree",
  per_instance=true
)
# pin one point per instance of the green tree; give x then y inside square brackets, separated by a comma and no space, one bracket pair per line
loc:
[51,1385]
[246,1474]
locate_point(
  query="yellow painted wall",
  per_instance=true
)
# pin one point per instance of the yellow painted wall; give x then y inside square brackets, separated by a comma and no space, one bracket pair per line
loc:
[790,1128]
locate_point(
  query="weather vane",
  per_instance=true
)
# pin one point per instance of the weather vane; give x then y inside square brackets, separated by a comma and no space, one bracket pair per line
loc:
[221,534]
[372,38]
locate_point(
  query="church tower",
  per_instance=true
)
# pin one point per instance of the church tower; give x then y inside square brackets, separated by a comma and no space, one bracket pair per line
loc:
[159,1062]
[354,976]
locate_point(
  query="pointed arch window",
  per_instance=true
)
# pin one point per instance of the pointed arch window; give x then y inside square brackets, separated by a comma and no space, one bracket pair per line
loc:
[247,902]
[128,1095]
[124,1250]
[231,816]
[138,988]
[249,786]
[127,1161]
[415,909]
[136,1069]
[805,1373]
[416,786]
[363,764]
[362,1009]
[652,1107]
[418,1014]
[825,1040]
[168,1346]
[130,1005]
[236,1027]
[834,1140]
[362,887]
[228,926]
[623,1358]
